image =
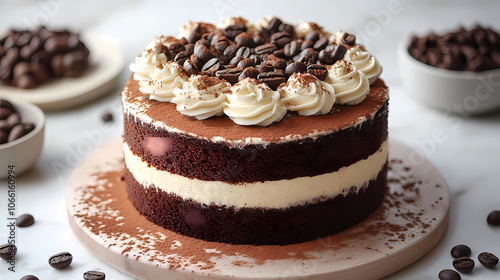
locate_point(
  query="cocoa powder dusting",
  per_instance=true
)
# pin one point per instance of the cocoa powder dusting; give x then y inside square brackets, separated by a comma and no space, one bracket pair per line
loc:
[105,210]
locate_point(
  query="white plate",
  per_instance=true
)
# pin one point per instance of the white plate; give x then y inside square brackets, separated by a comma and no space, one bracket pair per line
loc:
[106,63]
[411,220]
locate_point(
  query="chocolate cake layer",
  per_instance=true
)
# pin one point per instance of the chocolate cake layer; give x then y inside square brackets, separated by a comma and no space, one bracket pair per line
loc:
[193,157]
[258,226]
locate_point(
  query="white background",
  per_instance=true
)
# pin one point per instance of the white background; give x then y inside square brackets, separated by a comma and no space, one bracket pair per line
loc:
[467,155]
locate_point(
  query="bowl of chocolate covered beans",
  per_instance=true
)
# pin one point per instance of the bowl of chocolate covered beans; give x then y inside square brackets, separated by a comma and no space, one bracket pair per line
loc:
[457,72]
[22,127]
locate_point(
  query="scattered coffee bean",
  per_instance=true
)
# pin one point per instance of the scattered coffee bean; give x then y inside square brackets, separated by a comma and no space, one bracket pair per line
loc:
[190,67]
[94,275]
[319,71]
[448,274]
[488,259]
[107,117]
[349,39]
[463,264]
[321,44]
[60,260]
[338,53]
[29,277]
[494,218]
[25,220]
[7,251]
[266,48]
[460,251]
[232,31]
[312,36]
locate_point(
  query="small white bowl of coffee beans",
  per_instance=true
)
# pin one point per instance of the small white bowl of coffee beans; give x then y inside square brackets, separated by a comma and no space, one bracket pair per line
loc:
[22,127]
[456,72]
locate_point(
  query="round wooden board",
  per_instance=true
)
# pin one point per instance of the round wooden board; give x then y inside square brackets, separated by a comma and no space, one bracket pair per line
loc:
[410,221]
[105,66]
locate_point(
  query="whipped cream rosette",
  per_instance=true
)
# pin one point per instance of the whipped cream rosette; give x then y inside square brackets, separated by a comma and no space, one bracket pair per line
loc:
[307,95]
[202,97]
[146,62]
[254,103]
[351,85]
[162,82]
[365,62]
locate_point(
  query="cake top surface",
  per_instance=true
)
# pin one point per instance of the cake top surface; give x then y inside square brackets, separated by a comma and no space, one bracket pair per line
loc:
[255,74]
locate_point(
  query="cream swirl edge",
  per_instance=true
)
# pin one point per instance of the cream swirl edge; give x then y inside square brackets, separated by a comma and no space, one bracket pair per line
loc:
[270,194]
[139,112]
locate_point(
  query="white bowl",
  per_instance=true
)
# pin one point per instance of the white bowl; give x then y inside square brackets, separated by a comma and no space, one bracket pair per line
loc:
[461,92]
[22,153]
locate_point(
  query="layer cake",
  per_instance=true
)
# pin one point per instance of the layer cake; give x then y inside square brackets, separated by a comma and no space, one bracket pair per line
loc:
[266,158]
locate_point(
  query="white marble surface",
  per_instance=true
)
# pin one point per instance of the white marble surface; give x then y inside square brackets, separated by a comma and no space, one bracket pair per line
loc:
[467,153]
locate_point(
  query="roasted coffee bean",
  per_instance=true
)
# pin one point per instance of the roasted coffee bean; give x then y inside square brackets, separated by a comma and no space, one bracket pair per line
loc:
[212,65]
[230,75]
[288,28]
[264,67]
[306,44]
[280,39]
[56,44]
[13,119]
[22,68]
[244,39]
[448,274]
[276,62]
[348,39]
[181,55]
[221,46]
[463,264]
[6,74]
[231,51]
[233,30]
[56,65]
[236,60]
[307,56]
[29,277]
[338,53]
[189,48]
[460,251]
[320,44]
[257,58]
[28,127]
[94,275]
[26,81]
[267,48]
[193,37]
[60,260]
[7,251]
[244,52]
[272,79]
[16,132]
[291,49]
[5,112]
[279,53]
[488,259]
[247,62]
[3,136]
[25,220]
[274,25]
[325,57]
[249,72]
[312,36]
[295,67]
[74,63]
[318,70]
[190,67]
[40,72]
[41,57]
[494,218]
[107,117]
[202,52]
[11,57]
[258,40]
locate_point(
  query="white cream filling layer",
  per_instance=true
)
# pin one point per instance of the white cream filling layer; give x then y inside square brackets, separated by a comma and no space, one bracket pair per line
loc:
[270,194]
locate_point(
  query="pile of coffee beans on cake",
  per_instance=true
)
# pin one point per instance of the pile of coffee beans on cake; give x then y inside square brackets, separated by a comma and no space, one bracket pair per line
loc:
[477,49]
[11,125]
[269,55]
[31,58]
